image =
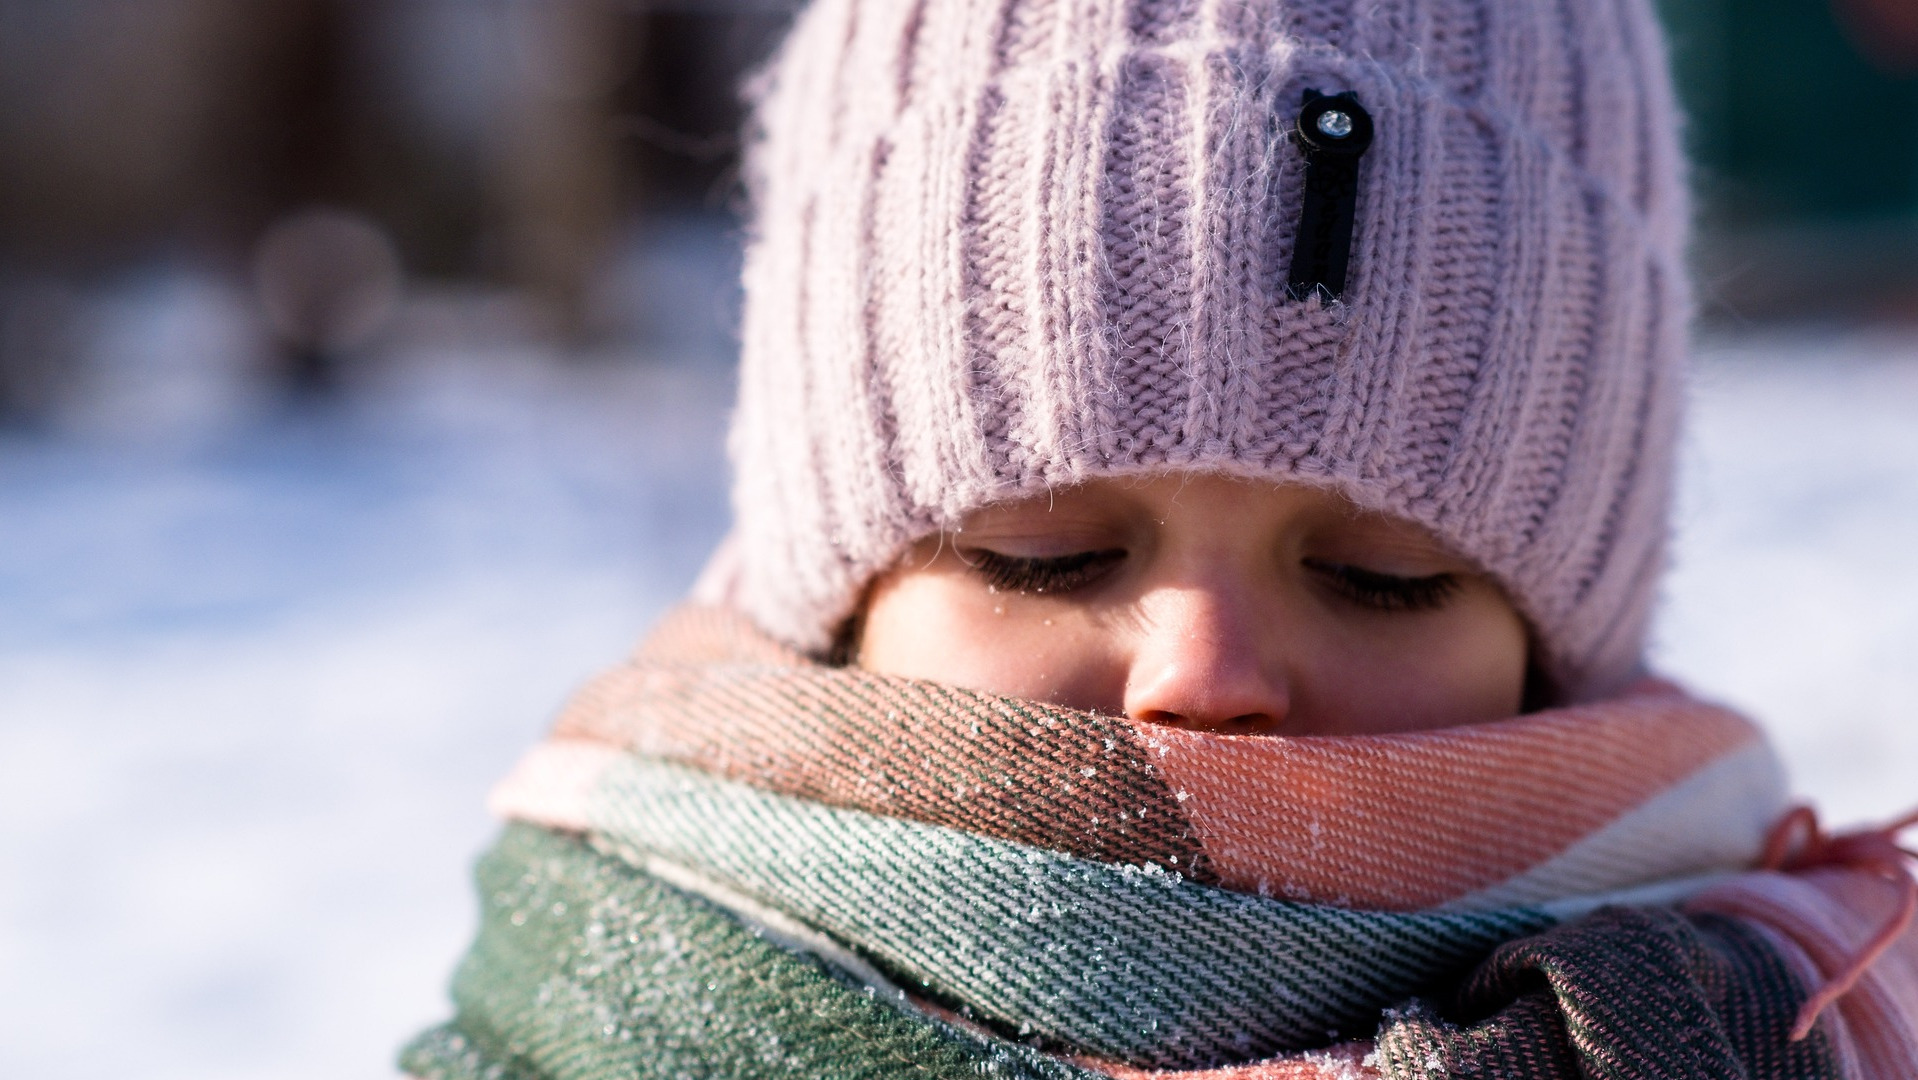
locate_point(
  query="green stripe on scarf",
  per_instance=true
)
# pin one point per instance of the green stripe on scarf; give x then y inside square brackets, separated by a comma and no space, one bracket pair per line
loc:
[1075,951]
[586,969]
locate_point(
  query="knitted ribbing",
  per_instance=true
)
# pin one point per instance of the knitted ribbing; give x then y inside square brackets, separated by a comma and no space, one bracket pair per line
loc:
[1006,245]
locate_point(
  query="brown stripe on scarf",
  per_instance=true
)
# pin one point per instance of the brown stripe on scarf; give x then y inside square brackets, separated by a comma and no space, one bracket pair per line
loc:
[1320,819]
[1012,770]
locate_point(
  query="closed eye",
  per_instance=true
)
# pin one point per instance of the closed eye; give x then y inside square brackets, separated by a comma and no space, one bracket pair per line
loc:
[1385,592]
[1049,574]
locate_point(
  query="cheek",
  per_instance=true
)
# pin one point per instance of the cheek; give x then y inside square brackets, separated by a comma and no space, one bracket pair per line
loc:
[943,627]
[1464,667]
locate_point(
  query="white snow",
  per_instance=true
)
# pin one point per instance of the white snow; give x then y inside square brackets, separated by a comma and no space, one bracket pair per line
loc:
[254,686]
[255,675]
[1795,588]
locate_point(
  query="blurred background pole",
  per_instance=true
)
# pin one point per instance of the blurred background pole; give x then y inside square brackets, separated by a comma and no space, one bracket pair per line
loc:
[557,161]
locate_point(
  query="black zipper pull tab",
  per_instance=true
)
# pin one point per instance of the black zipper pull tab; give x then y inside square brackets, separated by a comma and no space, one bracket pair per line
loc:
[1334,132]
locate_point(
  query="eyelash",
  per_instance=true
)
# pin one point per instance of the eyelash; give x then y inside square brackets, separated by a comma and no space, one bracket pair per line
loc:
[1386,592]
[1056,574]
[1064,573]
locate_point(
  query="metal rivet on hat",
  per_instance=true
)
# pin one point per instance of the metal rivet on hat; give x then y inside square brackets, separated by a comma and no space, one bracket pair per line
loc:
[1335,123]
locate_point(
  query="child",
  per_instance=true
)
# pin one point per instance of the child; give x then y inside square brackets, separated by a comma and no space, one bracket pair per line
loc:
[1203,471]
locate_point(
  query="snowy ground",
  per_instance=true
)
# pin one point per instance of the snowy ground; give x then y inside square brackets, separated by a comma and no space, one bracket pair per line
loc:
[254,682]
[1795,591]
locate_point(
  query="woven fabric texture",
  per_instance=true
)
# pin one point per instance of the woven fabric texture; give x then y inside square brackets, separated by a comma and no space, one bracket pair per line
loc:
[731,862]
[1005,245]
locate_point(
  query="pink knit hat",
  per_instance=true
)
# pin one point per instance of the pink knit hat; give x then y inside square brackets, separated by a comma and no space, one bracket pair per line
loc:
[1006,245]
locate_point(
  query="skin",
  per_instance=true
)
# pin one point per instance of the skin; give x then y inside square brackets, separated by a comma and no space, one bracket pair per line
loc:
[1215,604]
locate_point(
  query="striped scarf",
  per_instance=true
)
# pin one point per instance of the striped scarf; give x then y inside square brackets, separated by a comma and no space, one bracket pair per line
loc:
[730,861]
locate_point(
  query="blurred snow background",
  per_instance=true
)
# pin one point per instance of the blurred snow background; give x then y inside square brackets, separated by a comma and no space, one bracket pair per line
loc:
[1794,594]
[260,659]
[259,662]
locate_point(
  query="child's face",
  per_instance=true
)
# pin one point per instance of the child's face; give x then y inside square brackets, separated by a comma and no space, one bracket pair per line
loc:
[1207,603]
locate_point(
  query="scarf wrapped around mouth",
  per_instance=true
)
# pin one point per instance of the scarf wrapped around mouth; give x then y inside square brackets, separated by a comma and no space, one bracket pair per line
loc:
[730,861]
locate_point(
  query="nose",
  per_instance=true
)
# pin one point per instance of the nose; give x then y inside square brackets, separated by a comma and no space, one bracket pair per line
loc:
[1206,661]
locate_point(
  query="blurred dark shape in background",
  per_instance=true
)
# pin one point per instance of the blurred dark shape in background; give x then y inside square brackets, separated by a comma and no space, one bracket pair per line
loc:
[1884,30]
[328,280]
[1804,136]
[510,154]
[536,167]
